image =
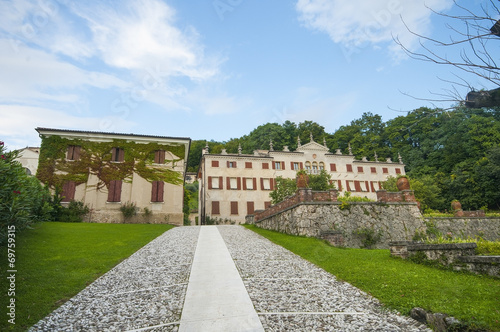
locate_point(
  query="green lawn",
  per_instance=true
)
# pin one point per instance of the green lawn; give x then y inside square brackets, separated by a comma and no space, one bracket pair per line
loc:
[400,284]
[54,261]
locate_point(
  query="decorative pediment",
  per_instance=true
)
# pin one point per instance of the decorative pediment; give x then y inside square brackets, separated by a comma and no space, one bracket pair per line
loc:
[312,146]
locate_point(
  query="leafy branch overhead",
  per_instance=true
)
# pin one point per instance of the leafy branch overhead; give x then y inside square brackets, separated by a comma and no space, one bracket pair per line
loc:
[96,159]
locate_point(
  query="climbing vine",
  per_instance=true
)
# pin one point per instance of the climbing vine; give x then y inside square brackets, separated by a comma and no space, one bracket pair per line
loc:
[95,159]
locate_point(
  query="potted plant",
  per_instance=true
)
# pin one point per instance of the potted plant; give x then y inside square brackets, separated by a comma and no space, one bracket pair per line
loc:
[302,179]
[403,182]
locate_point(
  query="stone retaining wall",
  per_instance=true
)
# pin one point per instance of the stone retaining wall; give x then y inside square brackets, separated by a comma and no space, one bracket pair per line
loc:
[487,228]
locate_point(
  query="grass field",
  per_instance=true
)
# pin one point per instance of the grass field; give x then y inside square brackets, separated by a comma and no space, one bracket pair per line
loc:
[400,284]
[54,261]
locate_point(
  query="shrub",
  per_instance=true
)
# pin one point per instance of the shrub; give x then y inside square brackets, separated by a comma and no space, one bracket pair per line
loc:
[368,236]
[23,200]
[129,209]
[74,212]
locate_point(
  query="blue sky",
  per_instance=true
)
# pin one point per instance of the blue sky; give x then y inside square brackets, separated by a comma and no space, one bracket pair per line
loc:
[211,69]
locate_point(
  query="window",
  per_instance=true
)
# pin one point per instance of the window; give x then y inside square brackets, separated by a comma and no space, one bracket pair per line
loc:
[117,155]
[215,163]
[159,156]
[315,166]
[398,171]
[215,207]
[321,166]
[385,170]
[360,169]
[340,185]
[349,167]
[279,165]
[73,152]
[234,208]
[308,165]
[333,167]
[295,166]
[215,182]
[233,183]
[68,191]
[265,184]
[157,191]
[250,207]
[267,205]
[231,164]
[249,184]
[265,165]
[248,164]
[115,191]
[373,170]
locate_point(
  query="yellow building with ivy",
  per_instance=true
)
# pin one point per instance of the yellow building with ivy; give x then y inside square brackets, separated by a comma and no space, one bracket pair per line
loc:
[116,174]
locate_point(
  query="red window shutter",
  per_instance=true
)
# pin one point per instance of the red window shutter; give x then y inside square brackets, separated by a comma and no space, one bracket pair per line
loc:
[348,186]
[68,191]
[374,170]
[360,169]
[385,170]
[244,183]
[254,183]
[380,185]
[228,164]
[333,168]
[250,207]
[283,165]
[261,183]
[215,207]
[273,165]
[301,165]
[221,183]
[349,167]
[234,208]
[291,165]
[154,191]
[357,185]
[215,163]
[272,183]
[265,166]
[372,186]
[238,183]
[228,183]
[398,171]
[340,185]
[367,186]
[209,182]
[248,164]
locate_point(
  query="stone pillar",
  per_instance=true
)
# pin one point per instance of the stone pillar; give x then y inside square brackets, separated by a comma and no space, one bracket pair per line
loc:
[333,194]
[408,196]
[305,194]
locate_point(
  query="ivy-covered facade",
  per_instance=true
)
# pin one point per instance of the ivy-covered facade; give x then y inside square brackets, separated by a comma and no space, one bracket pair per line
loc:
[107,171]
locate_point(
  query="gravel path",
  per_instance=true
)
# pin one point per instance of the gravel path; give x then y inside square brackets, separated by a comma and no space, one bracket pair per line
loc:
[291,294]
[146,292]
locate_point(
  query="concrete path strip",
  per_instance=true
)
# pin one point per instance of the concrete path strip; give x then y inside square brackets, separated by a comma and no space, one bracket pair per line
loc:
[216,298]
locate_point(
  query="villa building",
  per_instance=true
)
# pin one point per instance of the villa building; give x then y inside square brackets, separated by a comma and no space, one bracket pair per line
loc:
[108,170]
[232,186]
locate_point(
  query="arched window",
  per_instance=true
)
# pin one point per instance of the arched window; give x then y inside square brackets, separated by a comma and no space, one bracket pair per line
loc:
[315,166]
[321,165]
[308,165]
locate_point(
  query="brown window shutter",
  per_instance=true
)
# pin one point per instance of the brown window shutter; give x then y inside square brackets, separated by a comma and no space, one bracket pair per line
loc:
[215,163]
[261,183]
[367,186]
[77,152]
[250,207]
[291,165]
[267,205]
[157,157]
[301,165]
[265,166]
[254,183]
[235,164]
[348,187]
[398,171]
[357,185]
[118,191]
[248,164]
[238,183]
[360,169]
[121,155]
[340,185]
[385,170]
[283,165]
[69,152]
[272,183]
[111,190]
[234,208]
[68,191]
[228,183]
[161,187]
[209,182]
[349,167]
[372,186]
[333,167]
[221,183]
[215,207]
[379,185]
[154,191]
[273,165]
[113,156]
[373,170]
[244,183]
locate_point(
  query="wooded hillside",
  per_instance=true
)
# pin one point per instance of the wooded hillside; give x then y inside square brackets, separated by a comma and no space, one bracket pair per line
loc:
[454,155]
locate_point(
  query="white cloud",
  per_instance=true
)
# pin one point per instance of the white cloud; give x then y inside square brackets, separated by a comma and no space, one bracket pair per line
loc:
[18,123]
[355,23]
